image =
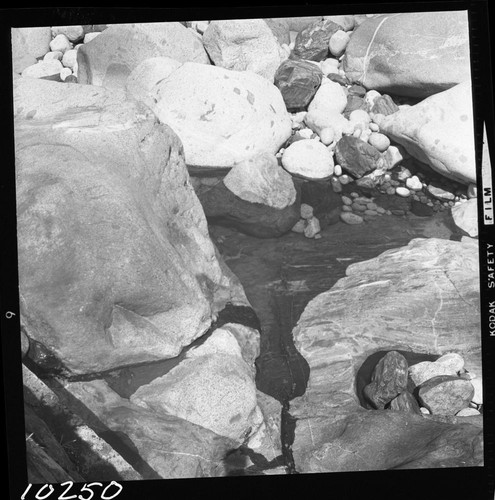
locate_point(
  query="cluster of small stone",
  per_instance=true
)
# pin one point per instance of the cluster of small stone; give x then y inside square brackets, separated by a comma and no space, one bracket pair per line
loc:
[55,50]
[308,224]
[442,387]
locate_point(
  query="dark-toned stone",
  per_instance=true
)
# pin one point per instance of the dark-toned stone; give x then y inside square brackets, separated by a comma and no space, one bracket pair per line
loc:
[357,90]
[223,207]
[298,82]
[357,157]
[405,401]
[421,209]
[312,42]
[389,379]
[446,394]
[335,77]
[354,102]
[384,105]
[392,202]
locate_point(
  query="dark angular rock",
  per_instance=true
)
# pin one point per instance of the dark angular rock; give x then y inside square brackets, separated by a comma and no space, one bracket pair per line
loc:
[357,90]
[312,42]
[389,379]
[384,105]
[446,394]
[357,157]
[354,102]
[405,401]
[224,208]
[342,80]
[298,82]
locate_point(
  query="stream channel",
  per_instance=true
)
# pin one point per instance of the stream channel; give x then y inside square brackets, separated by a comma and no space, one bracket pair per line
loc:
[280,276]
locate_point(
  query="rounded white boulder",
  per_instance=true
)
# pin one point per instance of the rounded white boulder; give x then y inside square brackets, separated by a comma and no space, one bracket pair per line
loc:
[308,158]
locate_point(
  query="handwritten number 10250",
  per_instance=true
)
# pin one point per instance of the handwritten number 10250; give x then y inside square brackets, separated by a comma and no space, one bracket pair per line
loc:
[86,493]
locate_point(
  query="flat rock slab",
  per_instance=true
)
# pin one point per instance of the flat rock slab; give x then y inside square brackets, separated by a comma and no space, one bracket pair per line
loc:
[383,439]
[413,54]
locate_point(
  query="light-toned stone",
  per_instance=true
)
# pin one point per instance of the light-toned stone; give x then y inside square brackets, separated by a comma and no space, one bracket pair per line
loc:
[69,58]
[318,119]
[312,227]
[64,73]
[327,136]
[329,98]
[222,117]
[306,211]
[338,43]
[379,141]
[308,158]
[337,170]
[53,55]
[414,183]
[60,43]
[43,69]
[299,226]
[73,33]
[261,180]
[467,412]
[351,218]
[244,45]
[91,36]
[439,132]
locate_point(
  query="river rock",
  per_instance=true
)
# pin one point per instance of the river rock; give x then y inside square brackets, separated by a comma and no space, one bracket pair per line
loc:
[319,120]
[414,54]
[357,157]
[309,159]
[123,271]
[298,82]
[438,131]
[423,371]
[110,58]
[388,380]
[384,105]
[73,33]
[465,216]
[312,42]
[405,401]
[445,394]
[222,117]
[147,74]
[350,218]
[259,218]
[379,141]
[439,192]
[338,43]
[330,98]
[171,447]
[49,70]
[244,45]
[213,387]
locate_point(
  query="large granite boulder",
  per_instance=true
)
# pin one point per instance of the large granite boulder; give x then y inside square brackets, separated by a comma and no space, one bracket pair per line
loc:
[116,264]
[221,116]
[244,44]
[438,131]
[421,298]
[163,446]
[413,54]
[108,59]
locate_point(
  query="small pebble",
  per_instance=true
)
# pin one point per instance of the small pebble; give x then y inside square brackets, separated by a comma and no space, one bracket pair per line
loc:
[379,141]
[299,226]
[69,58]
[306,211]
[305,133]
[467,412]
[370,212]
[336,186]
[402,191]
[381,210]
[354,194]
[374,127]
[350,218]
[346,200]
[390,190]
[327,136]
[357,207]
[371,96]
[359,116]
[312,227]
[414,183]
[338,43]
[357,133]
[317,236]
[345,179]
[64,73]
[337,170]
[424,410]
[60,43]
[346,208]
[371,206]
